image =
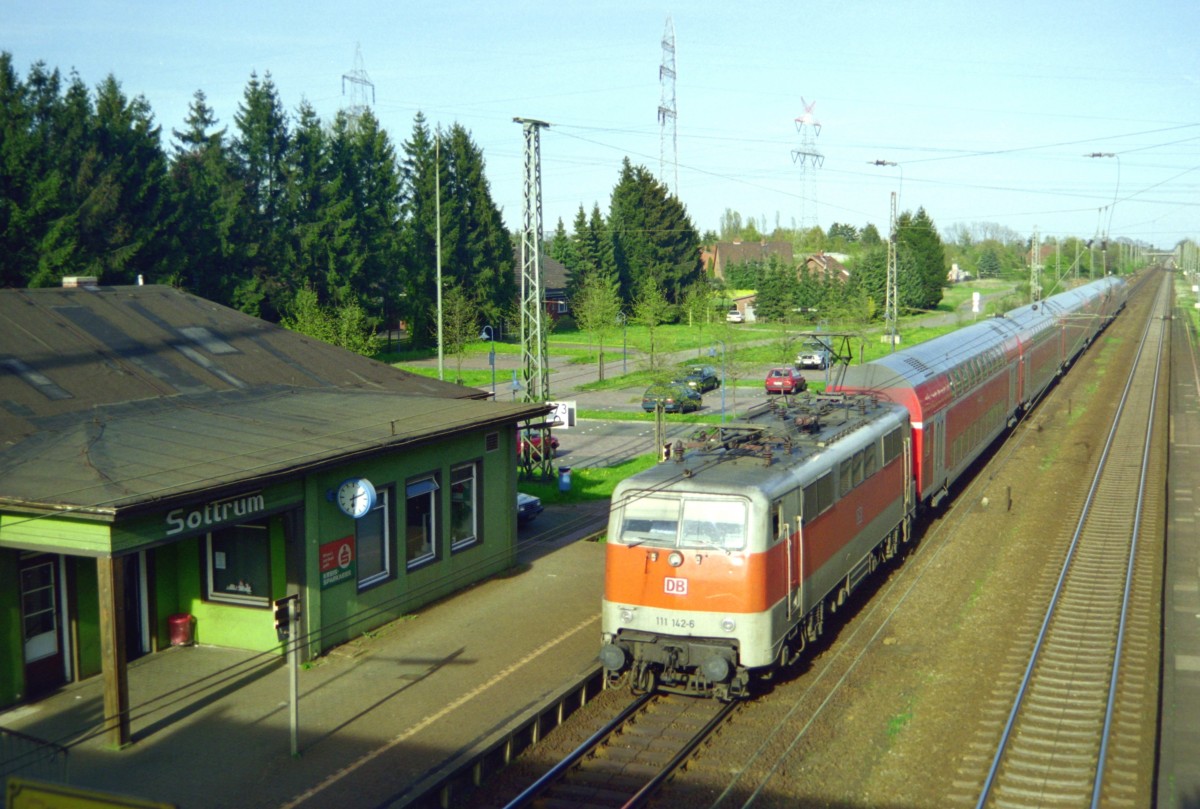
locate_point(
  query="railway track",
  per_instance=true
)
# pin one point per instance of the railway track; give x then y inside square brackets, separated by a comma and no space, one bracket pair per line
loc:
[1072,719]
[785,737]
[627,760]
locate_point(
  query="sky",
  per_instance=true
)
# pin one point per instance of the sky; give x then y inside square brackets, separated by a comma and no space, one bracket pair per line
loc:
[982,113]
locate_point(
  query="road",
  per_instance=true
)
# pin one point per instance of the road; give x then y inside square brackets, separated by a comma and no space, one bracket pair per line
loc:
[594,443]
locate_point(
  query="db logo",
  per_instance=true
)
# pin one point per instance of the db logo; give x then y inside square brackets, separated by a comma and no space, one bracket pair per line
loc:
[675,587]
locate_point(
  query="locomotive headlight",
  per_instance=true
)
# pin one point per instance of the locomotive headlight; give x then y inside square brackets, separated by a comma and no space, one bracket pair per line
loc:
[728,624]
[626,615]
[675,559]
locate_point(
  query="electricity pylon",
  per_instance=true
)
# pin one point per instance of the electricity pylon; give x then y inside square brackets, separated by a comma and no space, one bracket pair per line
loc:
[807,155]
[667,112]
[360,83]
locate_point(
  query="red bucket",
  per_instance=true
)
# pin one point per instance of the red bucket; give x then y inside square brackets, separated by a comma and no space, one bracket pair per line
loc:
[180,629]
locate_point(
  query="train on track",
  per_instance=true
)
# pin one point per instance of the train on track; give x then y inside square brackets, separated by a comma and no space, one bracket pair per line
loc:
[723,561]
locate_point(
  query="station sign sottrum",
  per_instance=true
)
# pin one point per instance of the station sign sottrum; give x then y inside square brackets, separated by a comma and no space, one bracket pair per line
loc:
[25,793]
[336,561]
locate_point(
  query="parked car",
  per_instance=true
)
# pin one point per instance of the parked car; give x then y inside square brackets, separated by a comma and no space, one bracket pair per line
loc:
[676,397]
[535,440]
[813,355]
[528,507]
[785,380]
[702,378]
[735,316]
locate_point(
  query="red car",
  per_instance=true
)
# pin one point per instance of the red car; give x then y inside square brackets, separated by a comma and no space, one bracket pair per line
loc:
[785,380]
[535,440]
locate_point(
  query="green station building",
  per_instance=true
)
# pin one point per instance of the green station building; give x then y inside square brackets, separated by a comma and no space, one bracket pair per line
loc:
[171,468]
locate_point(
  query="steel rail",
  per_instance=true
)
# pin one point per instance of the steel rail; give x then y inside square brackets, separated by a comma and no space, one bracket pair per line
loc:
[594,743]
[531,792]
[643,795]
[1043,633]
[1129,567]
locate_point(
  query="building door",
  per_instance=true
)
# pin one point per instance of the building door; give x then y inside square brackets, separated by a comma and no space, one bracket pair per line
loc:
[136,626]
[41,625]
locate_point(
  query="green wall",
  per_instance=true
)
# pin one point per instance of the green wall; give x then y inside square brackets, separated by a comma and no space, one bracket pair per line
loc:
[216,624]
[12,667]
[342,611]
[87,616]
[333,616]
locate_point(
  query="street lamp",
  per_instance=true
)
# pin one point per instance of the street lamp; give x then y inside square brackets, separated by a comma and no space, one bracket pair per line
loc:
[712,352]
[624,343]
[487,335]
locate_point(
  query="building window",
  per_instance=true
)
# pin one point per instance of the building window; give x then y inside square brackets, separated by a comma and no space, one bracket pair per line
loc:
[464,506]
[420,521]
[239,564]
[373,541]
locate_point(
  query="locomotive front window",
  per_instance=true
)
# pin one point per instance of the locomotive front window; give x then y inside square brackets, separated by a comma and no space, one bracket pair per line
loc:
[714,524]
[657,521]
[651,521]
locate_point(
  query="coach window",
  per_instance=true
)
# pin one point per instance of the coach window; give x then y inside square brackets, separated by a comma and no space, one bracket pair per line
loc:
[871,459]
[818,496]
[373,541]
[464,506]
[239,564]
[420,521]
[845,477]
[891,446]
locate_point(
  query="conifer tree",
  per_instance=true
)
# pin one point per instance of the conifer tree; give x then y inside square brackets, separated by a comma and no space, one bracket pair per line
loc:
[418,199]
[260,149]
[478,253]
[367,172]
[919,247]
[121,190]
[652,236]
[318,209]
[205,205]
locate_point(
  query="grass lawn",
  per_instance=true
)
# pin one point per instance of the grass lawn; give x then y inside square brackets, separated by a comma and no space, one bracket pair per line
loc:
[748,349]
[592,483]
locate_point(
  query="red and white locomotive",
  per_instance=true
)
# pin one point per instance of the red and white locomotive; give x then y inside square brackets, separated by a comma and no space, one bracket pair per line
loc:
[723,561]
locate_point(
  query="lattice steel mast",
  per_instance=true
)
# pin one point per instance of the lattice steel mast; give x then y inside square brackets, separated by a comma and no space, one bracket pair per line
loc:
[807,155]
[1035,267]
[534,355]
[891,308]
[360,83]
[667,113]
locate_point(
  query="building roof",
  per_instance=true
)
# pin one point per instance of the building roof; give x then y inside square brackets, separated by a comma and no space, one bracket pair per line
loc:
[117,398]
[554,273]
[828,266]
[725,253]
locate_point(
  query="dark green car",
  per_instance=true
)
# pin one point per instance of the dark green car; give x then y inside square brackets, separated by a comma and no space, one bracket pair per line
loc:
[702,378]
[675,397]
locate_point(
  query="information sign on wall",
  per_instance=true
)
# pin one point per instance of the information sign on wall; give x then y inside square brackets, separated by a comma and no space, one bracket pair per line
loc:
[563,414]
[336,561]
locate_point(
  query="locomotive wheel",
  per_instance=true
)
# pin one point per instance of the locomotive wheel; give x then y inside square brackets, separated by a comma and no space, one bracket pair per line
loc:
[643,681]
[815,624]
[786,655]
[781,663]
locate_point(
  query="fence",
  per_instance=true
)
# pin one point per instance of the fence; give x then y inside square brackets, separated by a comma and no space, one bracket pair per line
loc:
[28,757]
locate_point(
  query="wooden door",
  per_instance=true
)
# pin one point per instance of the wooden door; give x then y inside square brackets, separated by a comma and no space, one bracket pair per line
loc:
[41,625]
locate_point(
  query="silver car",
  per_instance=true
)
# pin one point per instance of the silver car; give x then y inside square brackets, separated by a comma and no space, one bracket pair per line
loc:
[813,355]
